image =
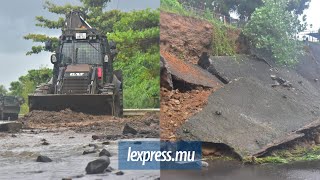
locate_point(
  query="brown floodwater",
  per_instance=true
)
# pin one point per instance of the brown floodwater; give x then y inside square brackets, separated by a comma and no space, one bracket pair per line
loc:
[18,157]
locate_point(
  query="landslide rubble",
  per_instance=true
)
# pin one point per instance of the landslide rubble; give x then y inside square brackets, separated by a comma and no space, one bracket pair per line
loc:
[109,127]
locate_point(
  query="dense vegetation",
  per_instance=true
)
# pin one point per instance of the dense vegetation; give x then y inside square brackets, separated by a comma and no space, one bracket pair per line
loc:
[274,28]
[270,25]
[244,8]
[137,36]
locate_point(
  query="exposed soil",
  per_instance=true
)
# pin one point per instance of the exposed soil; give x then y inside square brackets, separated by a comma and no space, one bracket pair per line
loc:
[177,107]
[147,126]
[185,37]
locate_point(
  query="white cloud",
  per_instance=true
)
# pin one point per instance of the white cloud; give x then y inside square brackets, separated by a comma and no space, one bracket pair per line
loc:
[313,15]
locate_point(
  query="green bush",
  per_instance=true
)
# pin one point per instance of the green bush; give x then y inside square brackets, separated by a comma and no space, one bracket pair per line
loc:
[273,27]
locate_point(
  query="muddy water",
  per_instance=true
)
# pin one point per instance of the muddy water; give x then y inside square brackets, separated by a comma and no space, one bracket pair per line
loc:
[220,170]
[18,155]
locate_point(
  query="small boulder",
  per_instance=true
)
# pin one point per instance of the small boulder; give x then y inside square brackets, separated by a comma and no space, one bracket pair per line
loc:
[95,137]
[129,130]
[98,166]
[43,159]
[105,152]
[119,173]
[45,143]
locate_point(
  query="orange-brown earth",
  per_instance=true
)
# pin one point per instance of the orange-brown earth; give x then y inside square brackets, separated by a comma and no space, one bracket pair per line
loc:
[177,107]
[146,126]
[183,39]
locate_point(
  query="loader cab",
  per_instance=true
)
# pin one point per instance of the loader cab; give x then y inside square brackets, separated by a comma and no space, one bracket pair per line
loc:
[81,48]
[85,47]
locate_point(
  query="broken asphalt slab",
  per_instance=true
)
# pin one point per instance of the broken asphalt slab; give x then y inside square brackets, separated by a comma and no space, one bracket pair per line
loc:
[254,116]
[173,69]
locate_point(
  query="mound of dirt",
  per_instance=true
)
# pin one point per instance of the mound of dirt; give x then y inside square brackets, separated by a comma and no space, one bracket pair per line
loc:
[146,126]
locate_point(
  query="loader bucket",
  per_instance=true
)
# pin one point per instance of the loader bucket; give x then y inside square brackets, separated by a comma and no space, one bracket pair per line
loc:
[89,103]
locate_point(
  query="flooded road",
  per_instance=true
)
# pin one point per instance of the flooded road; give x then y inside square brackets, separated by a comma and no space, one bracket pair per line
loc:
[18,157]
[221,170]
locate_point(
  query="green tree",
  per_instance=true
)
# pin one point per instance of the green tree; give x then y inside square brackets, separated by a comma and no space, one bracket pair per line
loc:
[274,28]
[137,34]
[26,84]
[3,90]
[244,8]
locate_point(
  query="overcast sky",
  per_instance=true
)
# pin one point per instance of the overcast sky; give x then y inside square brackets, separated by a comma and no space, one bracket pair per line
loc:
[17,19]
